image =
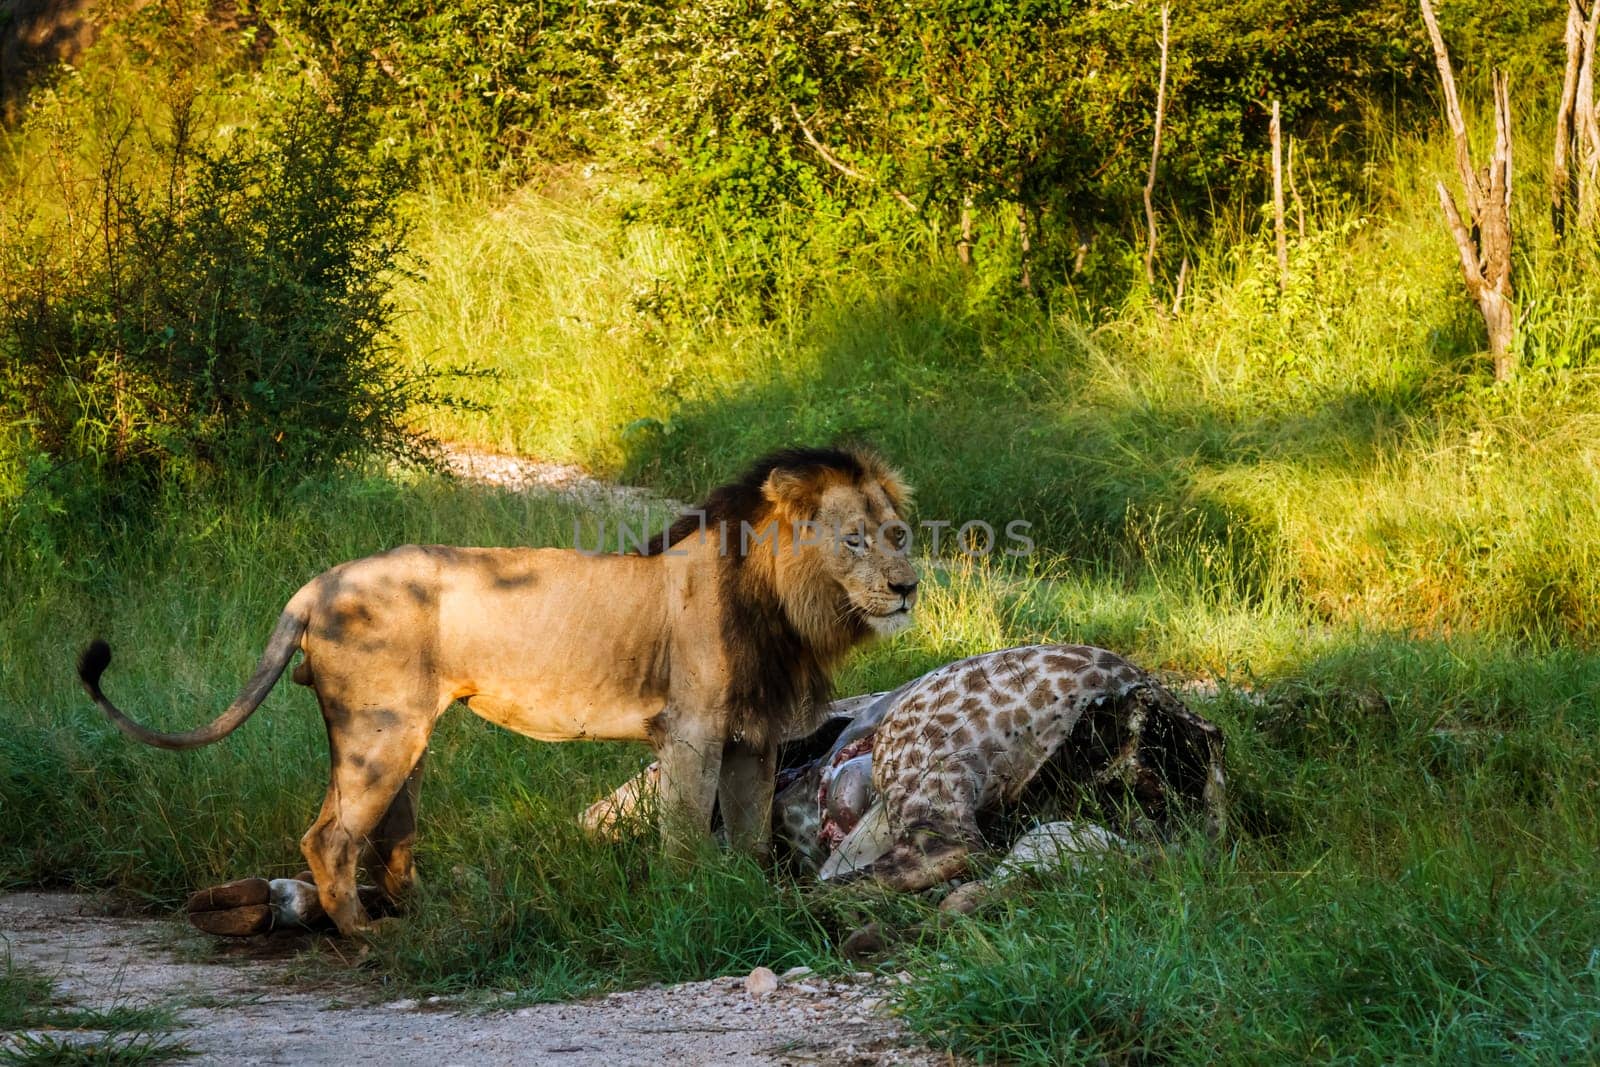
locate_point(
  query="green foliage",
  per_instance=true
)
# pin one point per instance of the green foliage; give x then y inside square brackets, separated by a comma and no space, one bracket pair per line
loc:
[497,83]
[211,304]
[1309,489]
[1522,37]
[1043,107]
[1408,872]
[1339,436]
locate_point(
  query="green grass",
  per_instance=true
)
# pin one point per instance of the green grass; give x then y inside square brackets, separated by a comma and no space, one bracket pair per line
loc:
[1407,880]
[1316,496]
[126,1035]
[1341,440]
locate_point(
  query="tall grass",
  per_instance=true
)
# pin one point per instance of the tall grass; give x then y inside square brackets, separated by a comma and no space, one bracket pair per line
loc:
[1315,495]
[1342,436]
[1406,880]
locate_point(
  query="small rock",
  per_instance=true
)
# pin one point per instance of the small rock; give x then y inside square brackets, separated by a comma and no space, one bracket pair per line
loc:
[864,944]
[795,973]
[761,982]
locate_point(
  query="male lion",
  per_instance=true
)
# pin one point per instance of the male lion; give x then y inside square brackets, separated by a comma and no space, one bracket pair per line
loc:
[711,644]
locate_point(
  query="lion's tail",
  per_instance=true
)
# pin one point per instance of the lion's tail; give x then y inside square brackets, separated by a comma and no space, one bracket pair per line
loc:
[280,648]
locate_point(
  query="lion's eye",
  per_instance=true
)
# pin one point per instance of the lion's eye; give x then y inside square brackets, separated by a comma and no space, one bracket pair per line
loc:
[897,537]
[854,542]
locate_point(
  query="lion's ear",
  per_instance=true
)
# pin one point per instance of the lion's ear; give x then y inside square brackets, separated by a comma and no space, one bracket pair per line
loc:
[892,481]
[794,493]
[898,491]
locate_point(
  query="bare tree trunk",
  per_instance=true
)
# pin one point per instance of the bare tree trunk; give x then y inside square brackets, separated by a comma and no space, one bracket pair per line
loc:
[1026,243]
[1563,189]
[1155,156]
[1484,247]
[1183,280]
[1294,194]
[964,246]
[1280,234]
[1585,128]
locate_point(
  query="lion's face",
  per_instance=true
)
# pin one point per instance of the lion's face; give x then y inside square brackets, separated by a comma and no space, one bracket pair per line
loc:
[843,565]
[863,544]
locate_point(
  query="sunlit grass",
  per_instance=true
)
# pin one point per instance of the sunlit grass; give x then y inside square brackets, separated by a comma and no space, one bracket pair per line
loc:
[1314,496]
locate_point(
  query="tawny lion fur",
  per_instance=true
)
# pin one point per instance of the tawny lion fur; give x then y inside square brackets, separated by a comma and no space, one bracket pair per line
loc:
[706,647]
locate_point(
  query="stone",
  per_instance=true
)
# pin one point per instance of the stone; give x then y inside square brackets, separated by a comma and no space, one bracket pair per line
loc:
[761,982]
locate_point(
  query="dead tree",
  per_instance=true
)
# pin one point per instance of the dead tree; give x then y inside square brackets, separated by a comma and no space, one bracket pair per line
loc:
[1155,156]
[1183,280]
[1025,244]
[1280,234]
[1294,194]
[1576,172]
[964,246]
[1485,246]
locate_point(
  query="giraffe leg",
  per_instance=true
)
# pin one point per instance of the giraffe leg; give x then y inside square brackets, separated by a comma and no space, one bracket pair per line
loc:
[936,821]
[744,793]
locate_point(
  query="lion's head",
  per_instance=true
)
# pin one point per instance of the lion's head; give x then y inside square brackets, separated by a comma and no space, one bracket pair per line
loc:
[841,545]
[813,549]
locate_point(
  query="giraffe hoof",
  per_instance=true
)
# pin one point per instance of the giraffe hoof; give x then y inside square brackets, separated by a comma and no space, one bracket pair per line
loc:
[247,921]
[244,893]
[864,944]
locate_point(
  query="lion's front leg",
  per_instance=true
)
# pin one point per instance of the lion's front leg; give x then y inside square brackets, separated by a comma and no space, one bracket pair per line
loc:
[745,796]
[689,767]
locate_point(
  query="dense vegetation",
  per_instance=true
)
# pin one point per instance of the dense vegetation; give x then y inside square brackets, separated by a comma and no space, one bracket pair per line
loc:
[665,237]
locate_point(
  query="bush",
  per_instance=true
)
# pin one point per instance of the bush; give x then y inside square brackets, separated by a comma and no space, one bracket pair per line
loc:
[1043,108]
[491,83]
[207,305]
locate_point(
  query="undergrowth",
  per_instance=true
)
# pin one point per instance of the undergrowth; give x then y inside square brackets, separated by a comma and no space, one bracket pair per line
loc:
[1312,493]
[1405,879]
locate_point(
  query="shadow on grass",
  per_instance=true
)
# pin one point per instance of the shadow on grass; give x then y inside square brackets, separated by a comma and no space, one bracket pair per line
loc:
[999,415]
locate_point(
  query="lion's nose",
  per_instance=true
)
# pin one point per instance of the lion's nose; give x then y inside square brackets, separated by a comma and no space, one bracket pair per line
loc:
[903,588]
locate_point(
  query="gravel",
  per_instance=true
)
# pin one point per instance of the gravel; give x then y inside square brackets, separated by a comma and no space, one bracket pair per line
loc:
[237,1007]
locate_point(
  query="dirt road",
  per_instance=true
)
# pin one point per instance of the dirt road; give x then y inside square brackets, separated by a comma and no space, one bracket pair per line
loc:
[243,1009]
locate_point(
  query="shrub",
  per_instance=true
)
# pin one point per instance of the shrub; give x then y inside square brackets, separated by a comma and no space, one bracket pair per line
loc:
[221,304]
[1043,108]
[491,83]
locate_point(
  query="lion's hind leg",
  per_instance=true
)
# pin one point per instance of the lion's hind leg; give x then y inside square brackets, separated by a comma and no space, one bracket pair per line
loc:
[394,841]
[374,749]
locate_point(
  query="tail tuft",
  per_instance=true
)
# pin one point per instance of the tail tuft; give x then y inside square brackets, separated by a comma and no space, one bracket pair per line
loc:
[93,663]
